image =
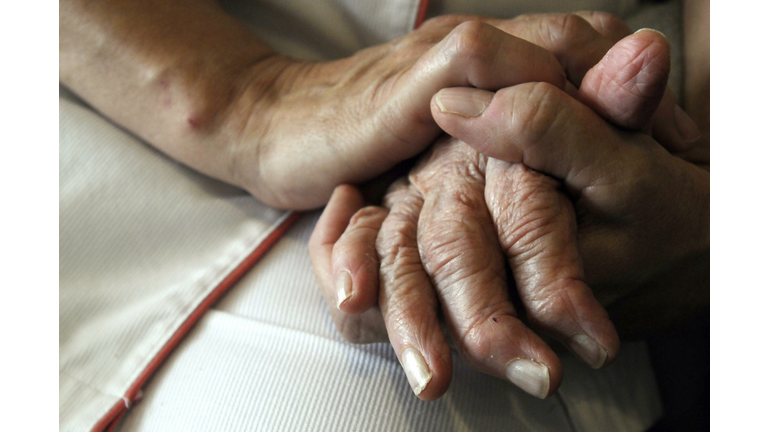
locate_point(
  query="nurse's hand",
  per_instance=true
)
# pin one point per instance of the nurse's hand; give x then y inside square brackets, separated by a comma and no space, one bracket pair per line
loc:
[349,120]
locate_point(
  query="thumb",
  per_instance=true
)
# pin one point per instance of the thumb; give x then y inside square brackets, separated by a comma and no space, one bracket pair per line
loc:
[627,85]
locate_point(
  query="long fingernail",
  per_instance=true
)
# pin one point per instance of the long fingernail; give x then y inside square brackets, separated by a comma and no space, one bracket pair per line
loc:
[416,370]
[467,102]
[343,286]
[686,126]
[530,376]
[588,350]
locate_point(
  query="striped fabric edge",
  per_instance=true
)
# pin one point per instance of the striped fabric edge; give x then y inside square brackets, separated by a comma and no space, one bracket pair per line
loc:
[110,421]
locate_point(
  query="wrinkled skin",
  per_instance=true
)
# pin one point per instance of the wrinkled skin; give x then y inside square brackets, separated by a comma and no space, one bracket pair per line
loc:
[438,231]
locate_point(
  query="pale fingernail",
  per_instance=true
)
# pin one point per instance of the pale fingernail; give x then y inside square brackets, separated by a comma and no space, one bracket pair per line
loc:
[416,370]
[530,376]
[651,30]
[588,350]
[686,126]
[463,101]
[343,286]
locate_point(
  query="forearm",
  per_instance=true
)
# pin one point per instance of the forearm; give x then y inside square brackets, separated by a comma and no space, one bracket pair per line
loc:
[168,71]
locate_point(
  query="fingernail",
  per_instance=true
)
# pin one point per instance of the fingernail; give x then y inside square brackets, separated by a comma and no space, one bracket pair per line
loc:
[651,30]
[416,370]
[530,376]
[686,126]
[463,101]
[588,350]
[343,286]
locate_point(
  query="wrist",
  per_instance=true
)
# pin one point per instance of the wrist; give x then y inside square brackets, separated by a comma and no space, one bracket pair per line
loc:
[252,122]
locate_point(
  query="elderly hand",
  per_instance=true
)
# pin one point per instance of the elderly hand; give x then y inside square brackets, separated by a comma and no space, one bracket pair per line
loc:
[457,243]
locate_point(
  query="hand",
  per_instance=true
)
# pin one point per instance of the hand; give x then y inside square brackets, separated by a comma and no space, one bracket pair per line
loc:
[197,84]
[307,127]
[643,214]
[207,92]
[444,227]
[361,115]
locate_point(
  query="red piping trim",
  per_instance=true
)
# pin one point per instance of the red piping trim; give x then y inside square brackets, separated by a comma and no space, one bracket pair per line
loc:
[112,418]
[421,15]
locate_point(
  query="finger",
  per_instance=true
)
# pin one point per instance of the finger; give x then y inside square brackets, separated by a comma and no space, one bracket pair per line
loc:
[407,299]
[474,54]
[460,252]
[363,328]
[355,262]
[536,227]
[626,86]
[579,41]
[544,128]
[569,37]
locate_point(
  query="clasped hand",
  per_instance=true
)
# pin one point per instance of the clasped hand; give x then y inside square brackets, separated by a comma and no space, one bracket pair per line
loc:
[578,194]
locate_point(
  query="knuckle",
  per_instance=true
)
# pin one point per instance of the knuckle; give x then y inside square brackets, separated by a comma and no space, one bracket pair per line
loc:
[413,313]
[458,245]
[397,242]
[455,165]
[529,230]
[568,30]
[367,218]
[468,43]
[448,161]
[551,303]
[526,209]
[574,27]
[446,248]
[535,112]
[396,245]
[403,199]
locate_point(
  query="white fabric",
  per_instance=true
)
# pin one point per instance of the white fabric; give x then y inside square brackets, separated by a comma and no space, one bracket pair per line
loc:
[142,242]
[325,29]
[268,358]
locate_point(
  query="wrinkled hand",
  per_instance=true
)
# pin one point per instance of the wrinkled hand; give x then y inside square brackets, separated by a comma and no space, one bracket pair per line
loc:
[536,229]
[643,214]
[324,124]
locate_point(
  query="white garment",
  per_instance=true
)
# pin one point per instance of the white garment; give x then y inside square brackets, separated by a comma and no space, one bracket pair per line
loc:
[143,241]
[268,358]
